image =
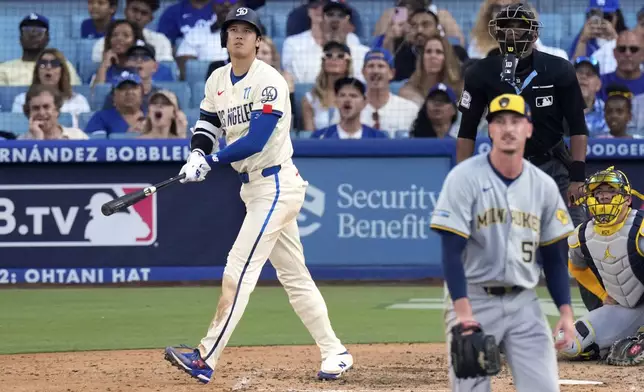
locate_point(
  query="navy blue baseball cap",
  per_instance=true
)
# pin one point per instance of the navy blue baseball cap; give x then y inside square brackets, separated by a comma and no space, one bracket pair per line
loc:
[126,77]
[336,5]
[379,54]
[444,89]
[604,5]
[35,19]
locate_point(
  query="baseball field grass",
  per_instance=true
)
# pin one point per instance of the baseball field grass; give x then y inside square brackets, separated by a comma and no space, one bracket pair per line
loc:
[79,319]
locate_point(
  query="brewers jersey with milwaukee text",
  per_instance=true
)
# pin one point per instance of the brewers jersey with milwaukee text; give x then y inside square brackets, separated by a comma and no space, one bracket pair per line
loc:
[505,224]
[262,89]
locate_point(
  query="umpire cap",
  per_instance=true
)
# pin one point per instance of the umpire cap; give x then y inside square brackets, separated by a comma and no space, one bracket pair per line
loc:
[241,14]
[509,103]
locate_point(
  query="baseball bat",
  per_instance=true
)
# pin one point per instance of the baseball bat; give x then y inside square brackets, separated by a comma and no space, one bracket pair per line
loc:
[130,199]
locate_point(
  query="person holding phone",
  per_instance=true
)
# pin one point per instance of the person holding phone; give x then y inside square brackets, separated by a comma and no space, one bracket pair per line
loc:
[604,20]
[400,13]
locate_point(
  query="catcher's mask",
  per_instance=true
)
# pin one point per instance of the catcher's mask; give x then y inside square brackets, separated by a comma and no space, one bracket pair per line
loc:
[606,208]
[515,28]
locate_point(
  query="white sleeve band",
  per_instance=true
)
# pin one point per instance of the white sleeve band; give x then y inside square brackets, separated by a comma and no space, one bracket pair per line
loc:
[207,126]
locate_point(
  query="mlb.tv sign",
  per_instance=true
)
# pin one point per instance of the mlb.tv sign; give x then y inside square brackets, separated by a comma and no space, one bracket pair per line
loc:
[69,215]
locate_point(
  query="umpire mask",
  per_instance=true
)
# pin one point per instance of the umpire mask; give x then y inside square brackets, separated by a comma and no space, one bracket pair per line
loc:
[515,28]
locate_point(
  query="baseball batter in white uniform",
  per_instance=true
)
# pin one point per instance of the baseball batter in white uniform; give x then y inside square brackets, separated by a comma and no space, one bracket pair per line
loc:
[248,101]
[494,212]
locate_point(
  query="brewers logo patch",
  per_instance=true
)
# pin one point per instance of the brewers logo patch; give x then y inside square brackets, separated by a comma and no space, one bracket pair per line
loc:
[562,216]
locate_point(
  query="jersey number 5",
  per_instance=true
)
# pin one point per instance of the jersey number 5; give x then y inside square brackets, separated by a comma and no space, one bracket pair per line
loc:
[528,249]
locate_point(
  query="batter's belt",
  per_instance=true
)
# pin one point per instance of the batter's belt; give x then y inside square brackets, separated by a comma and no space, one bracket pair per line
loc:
[246,177]
[503,290]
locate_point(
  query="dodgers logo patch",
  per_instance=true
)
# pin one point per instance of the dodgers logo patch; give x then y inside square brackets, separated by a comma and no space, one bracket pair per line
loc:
[269,94]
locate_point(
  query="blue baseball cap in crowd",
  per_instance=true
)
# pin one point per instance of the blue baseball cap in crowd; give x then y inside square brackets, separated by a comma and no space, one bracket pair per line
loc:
[126,77]
[379,54]
[588,60]
[35,19]
[444,89]
[604,5]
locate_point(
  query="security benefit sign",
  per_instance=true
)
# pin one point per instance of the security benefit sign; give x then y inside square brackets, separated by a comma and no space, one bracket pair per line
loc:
[370,211]
[69,215]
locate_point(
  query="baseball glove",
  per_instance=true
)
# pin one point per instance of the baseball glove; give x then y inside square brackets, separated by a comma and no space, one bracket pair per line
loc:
[627,352]
[473,353]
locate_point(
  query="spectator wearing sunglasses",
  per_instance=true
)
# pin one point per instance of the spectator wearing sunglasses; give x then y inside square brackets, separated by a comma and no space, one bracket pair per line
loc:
[629,55]
[51,70]
[34,37]
[318,105]
[587,70]
[605,54]
[385,111]
[142,60]
[328,23]
[619,113]
[350,100]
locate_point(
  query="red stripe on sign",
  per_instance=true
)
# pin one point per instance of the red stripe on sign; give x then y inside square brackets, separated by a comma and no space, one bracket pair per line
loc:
[268,109]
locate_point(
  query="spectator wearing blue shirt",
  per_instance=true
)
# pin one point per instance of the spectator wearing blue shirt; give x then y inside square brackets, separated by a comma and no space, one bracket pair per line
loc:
[438,116]
[350,99]
[126,116]
[178,19]
[629,54]
[604,20]
[140,59]
[101,13]
[588,76]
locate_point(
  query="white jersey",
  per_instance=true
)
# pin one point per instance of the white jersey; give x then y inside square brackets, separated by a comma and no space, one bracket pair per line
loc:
[504,224]
[263,89]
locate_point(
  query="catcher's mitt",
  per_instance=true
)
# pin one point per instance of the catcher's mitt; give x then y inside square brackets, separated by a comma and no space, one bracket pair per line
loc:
[474,354]
[627,352]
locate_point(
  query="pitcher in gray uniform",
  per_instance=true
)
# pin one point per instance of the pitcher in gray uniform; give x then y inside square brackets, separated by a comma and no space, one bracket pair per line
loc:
[613,240]
[494,212]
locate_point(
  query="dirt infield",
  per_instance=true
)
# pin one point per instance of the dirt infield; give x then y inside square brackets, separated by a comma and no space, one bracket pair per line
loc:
[382,367]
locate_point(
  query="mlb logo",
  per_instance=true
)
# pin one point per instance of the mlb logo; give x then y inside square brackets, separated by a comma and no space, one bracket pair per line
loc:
[544,101]
[69,215]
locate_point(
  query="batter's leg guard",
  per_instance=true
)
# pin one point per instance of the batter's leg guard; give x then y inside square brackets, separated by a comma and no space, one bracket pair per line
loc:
[583,346]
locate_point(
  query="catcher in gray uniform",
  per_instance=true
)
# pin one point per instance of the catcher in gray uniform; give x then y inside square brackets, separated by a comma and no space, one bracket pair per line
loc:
[494,213]
[614,241]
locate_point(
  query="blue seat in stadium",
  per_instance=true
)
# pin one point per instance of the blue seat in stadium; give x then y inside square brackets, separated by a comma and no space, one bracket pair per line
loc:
[8,94]
[192,114]
[125,135]
[18,123]
[279,43]
[174,68]
[196,71]
[99,93]
[69,48]
[83,119]
[197,89]
[300,90]
[180,89]
[86,67]
[552,31]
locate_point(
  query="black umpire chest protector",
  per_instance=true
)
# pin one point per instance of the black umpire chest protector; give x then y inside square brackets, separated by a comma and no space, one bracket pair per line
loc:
[541,89]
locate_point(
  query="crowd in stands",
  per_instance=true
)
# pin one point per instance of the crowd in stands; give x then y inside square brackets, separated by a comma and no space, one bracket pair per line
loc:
[402,79]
